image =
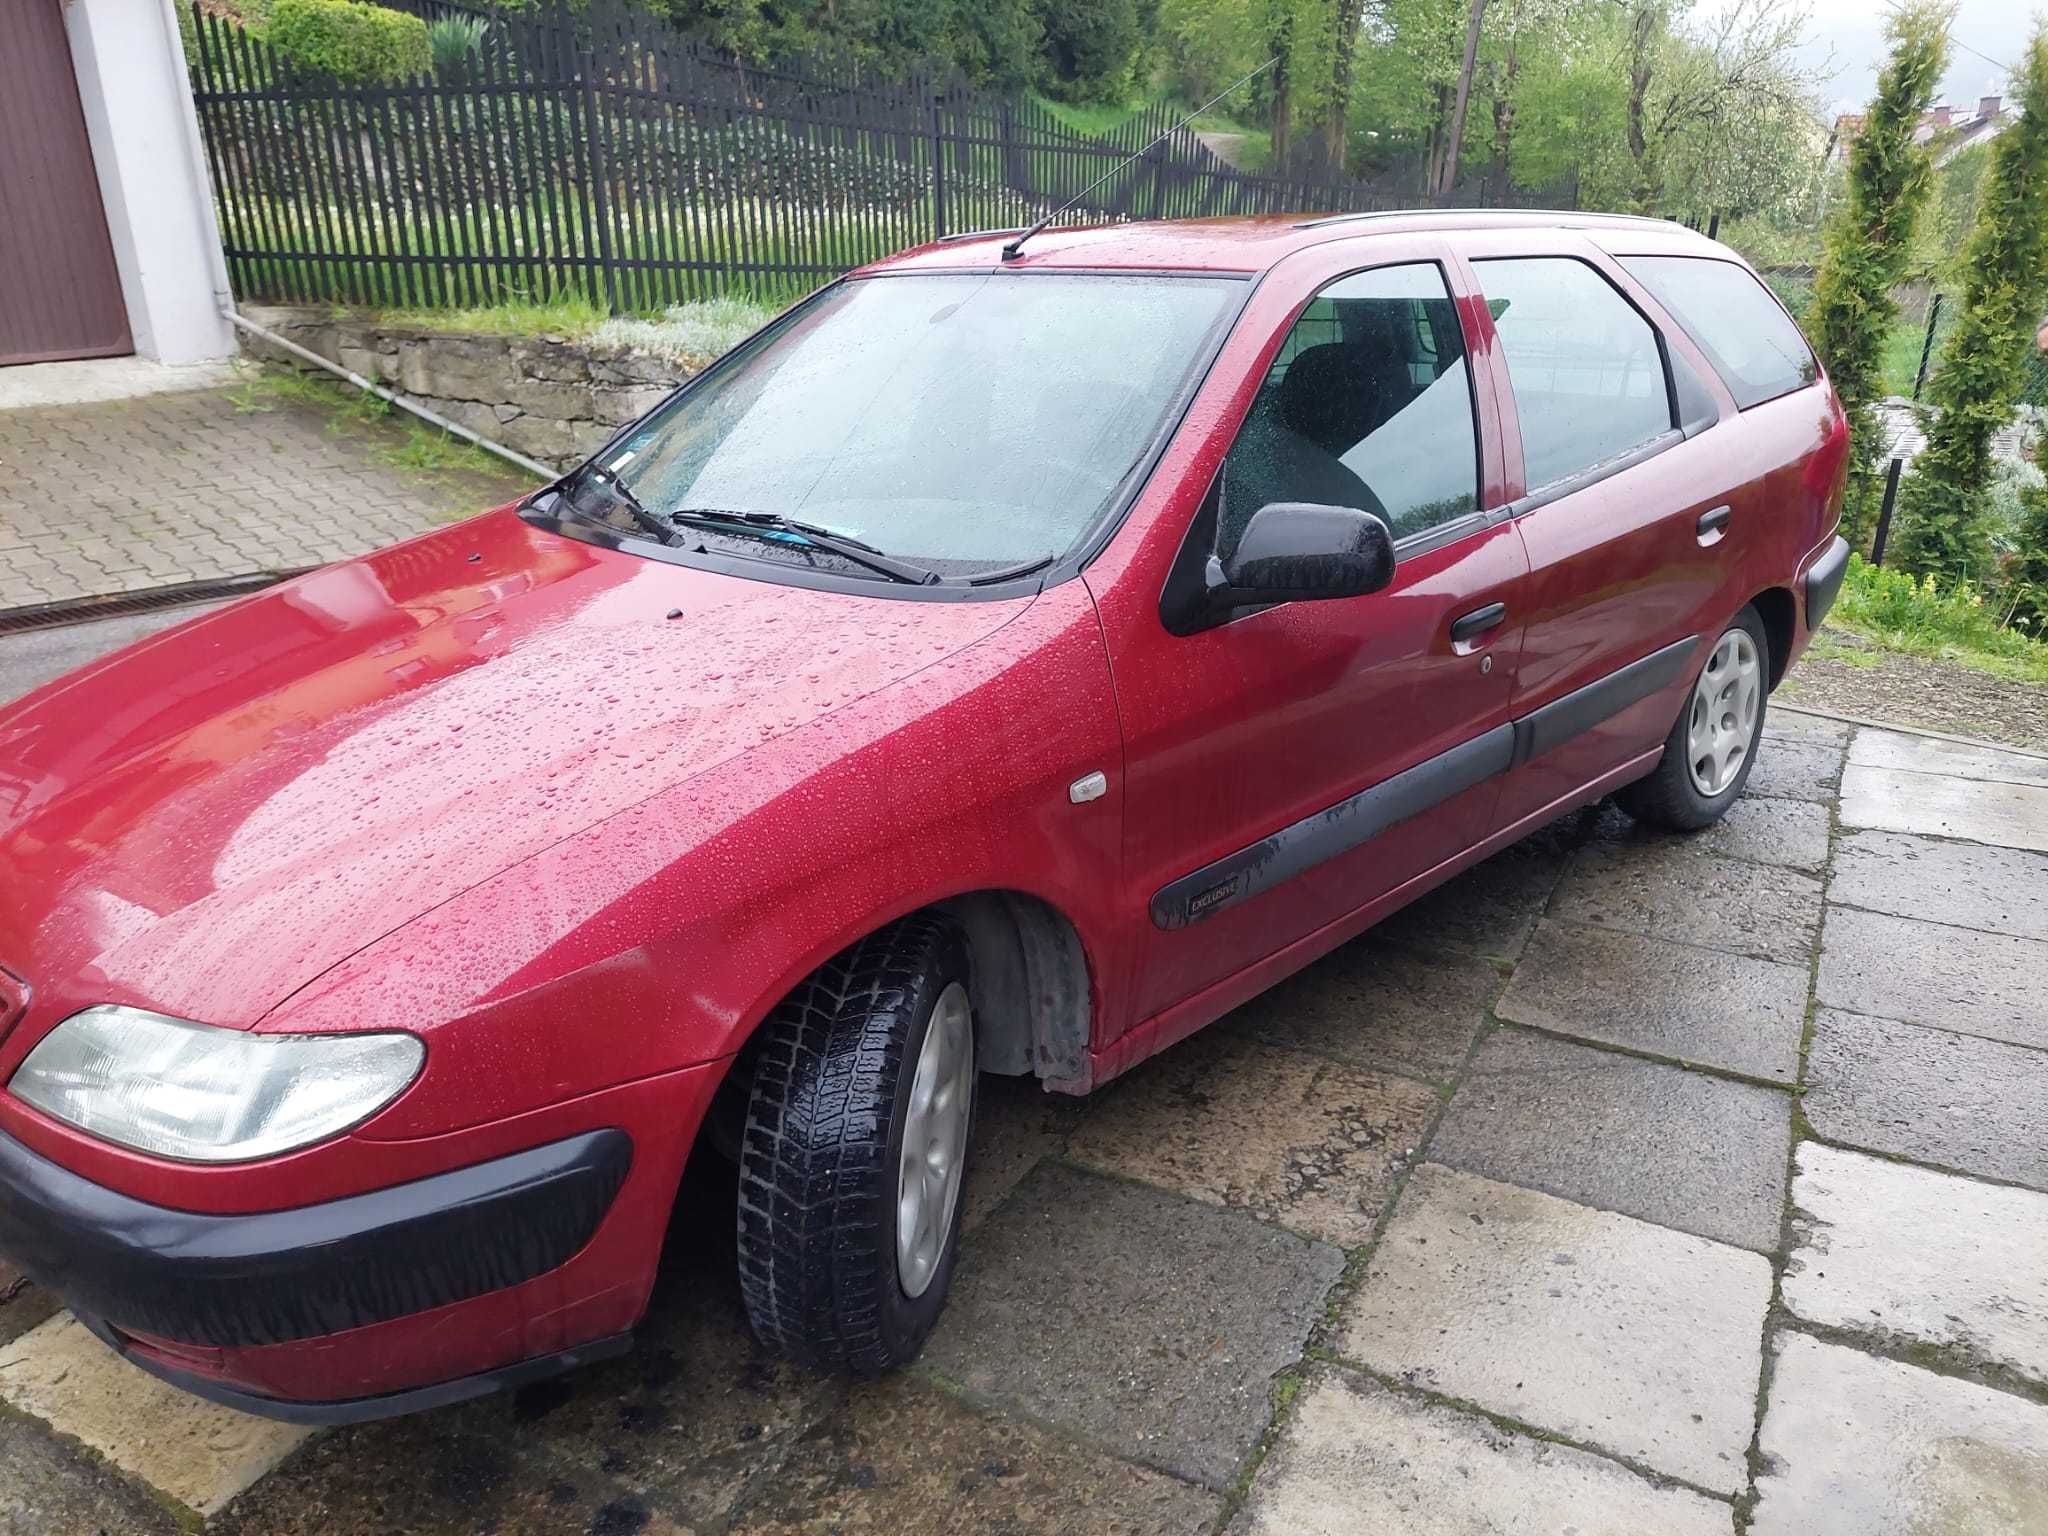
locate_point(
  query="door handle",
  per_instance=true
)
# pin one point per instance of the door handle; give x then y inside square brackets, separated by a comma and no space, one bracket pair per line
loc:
[1470,626]
[1713,524]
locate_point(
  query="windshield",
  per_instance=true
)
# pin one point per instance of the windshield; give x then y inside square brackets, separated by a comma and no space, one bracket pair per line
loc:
[966,423]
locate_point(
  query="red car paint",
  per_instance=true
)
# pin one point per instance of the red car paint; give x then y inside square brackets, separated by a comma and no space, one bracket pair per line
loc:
[579,818]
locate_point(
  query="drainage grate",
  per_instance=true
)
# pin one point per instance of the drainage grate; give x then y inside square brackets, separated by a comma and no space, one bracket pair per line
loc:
[84,610]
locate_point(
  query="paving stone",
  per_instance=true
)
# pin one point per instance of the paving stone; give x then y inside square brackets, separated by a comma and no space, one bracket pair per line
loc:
[1675,1147]
[48,1489]
[1676,1000]
[1624,1336]
[198,1453]
[908,1459]
[1149,1324]
[1977,1105]
[1357,1458]
[1962,760]
[696,1411]
[1791,768]
[1308,1143]
[1788,832]
[194,460]
[1928,973]
[2001,890]
[1914,1256]
[1017,1125]
[1858,1446]
[415,1475]
[2009,815]
[1783,723]
[1491,907]
[1671,889]
[1378,1005]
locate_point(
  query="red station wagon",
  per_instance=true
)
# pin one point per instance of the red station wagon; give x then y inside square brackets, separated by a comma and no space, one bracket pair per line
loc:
[1006,661]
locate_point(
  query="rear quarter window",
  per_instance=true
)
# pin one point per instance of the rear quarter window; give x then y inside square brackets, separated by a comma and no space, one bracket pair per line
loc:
[1732,318]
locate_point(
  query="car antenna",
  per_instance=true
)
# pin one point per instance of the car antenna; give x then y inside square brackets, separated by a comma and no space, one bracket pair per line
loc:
[1016,247]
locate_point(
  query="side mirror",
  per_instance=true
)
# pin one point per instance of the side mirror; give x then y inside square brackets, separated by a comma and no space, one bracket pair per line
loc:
[1296,551]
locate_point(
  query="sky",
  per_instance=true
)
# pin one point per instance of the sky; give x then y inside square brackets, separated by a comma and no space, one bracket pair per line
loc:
[1853,31]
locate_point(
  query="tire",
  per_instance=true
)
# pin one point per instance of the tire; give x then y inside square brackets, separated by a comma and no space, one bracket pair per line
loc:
[1688,790]
[822,1179]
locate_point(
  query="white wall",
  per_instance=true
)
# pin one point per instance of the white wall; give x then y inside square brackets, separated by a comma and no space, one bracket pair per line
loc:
[138,114]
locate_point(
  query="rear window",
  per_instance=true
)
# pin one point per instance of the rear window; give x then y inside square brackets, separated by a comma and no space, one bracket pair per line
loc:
[1731,317]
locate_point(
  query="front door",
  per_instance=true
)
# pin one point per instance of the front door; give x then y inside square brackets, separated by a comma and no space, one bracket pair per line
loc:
[60,295]
[1288,765]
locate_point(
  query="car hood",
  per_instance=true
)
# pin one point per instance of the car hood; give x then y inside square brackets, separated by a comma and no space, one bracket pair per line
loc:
[204,822]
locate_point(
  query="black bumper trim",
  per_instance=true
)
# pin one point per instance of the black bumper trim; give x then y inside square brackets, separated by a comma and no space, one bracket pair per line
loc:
[1824,581]
[227,1281]
[362,1410]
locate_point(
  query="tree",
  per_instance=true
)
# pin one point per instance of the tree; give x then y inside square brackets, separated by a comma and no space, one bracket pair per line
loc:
[2005,286]
[1870,236]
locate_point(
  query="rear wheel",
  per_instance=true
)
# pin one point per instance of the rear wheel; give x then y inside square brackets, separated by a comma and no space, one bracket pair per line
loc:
[1713,743]
[854,1155]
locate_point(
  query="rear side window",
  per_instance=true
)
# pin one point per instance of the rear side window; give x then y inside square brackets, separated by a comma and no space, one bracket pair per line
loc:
[1586,367]
[1731,317]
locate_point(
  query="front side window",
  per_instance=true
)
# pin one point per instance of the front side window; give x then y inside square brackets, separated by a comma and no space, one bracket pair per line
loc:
[961,424]
[1586,367]
[1366,405]
[1731,317]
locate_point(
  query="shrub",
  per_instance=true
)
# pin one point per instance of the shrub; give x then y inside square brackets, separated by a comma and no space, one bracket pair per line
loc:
[1869,239]
[1942,522]
[1932,616]
[349,41]
[457,46]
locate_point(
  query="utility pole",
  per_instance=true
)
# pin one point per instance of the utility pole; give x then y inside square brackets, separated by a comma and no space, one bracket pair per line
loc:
[1449,176]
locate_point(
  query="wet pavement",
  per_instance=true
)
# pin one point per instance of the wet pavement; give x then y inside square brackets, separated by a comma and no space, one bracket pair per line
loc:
[109,497]
[1629,1185]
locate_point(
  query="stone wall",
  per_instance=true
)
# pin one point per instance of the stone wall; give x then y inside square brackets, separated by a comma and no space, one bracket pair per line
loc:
[549,397]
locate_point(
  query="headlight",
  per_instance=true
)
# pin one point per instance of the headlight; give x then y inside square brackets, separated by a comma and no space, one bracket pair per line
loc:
[206,1095]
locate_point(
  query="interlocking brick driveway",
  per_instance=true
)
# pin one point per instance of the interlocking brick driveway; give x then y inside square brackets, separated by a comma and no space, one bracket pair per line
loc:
[1629,1185]
[128,495]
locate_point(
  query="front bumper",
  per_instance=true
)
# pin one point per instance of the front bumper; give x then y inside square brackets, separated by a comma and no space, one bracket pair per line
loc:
[140,1273]
[227,1281]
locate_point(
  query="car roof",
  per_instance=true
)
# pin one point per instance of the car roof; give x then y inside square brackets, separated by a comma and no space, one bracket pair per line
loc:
[1257,243]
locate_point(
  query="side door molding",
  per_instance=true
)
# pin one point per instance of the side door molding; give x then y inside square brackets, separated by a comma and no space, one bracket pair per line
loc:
[1337,829]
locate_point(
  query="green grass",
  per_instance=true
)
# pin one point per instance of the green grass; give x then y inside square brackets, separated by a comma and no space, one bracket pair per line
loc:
[400,439]
[569,314]
[1901,361]
[1926,618]
[1095,119]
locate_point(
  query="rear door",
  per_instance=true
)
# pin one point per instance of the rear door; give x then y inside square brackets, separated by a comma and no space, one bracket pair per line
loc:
[1630,512]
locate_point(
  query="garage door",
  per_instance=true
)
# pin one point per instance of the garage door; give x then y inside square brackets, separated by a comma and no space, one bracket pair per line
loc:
[60,295]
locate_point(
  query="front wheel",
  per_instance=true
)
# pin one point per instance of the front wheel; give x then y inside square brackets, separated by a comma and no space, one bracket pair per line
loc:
[854,1154]
[1713,743]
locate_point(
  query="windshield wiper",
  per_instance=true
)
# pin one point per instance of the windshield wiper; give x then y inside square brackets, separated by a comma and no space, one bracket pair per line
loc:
[623,494]
[840,544]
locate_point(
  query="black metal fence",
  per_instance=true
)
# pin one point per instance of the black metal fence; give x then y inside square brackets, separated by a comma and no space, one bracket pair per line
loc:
[596,152]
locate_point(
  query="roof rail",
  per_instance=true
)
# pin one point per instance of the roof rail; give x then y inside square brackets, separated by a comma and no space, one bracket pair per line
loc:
[1487,213]
[974,234]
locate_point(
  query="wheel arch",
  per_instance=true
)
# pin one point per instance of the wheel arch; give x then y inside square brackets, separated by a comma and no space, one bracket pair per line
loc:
[1031,986]
[1775,606]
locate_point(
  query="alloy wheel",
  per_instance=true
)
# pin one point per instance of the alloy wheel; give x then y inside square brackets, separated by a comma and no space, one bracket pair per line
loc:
[934,1141]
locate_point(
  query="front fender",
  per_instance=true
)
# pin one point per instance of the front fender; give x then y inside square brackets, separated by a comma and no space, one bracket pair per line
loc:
[660,938]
